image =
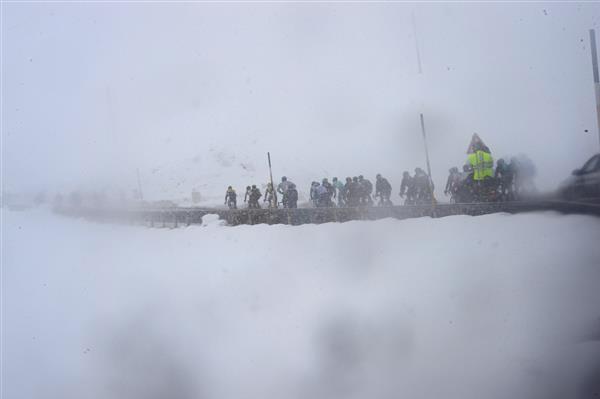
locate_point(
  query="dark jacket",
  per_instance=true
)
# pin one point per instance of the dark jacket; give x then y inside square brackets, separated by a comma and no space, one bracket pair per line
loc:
[230,194]
[382,186]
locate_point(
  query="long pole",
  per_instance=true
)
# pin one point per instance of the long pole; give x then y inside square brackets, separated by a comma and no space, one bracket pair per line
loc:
[414,25]
[596,77]
[427,159]
[271,176]
[425,142]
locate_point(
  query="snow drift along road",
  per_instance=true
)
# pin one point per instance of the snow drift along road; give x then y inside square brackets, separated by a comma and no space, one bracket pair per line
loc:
[495,306]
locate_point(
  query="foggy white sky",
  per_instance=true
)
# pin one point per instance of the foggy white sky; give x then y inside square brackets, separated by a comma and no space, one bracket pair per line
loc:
[93,91]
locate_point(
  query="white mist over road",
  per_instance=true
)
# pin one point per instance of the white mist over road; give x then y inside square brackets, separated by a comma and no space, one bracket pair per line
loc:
[92,92]
[193,95]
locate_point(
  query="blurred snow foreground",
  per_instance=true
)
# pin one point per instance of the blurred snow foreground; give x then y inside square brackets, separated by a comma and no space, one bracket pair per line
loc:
[494,306]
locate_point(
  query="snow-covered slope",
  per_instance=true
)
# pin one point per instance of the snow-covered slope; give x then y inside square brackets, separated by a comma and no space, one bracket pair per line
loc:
[495,306]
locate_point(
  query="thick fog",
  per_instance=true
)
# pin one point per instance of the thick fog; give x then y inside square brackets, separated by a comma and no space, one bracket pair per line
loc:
[190,97]
[194,95]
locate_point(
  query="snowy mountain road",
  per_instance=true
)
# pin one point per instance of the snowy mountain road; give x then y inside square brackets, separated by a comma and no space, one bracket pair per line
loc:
[178,216]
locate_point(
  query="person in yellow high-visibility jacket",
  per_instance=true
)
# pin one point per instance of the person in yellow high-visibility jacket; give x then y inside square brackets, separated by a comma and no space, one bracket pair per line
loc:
[482,164]
[480,159]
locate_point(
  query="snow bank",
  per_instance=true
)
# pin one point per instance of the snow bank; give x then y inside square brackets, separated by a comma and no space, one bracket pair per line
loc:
[212,220]
[495,306]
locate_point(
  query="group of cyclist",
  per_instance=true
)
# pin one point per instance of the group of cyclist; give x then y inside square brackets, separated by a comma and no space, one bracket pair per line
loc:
[480,182]
[477,182]
[356,191]
[252,197]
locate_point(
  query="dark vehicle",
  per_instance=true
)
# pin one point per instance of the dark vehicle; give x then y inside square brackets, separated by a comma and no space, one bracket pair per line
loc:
[584,182]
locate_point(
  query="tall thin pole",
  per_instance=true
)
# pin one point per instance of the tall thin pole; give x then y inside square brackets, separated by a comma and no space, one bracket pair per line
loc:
[425,142]
[139,181]
[414,25]
[596,78]
[427,159]
[271,176]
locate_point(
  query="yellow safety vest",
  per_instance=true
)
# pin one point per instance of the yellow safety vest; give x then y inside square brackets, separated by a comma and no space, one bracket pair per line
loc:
[482,164]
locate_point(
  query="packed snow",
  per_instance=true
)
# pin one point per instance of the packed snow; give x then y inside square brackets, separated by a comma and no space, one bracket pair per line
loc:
[495,306]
